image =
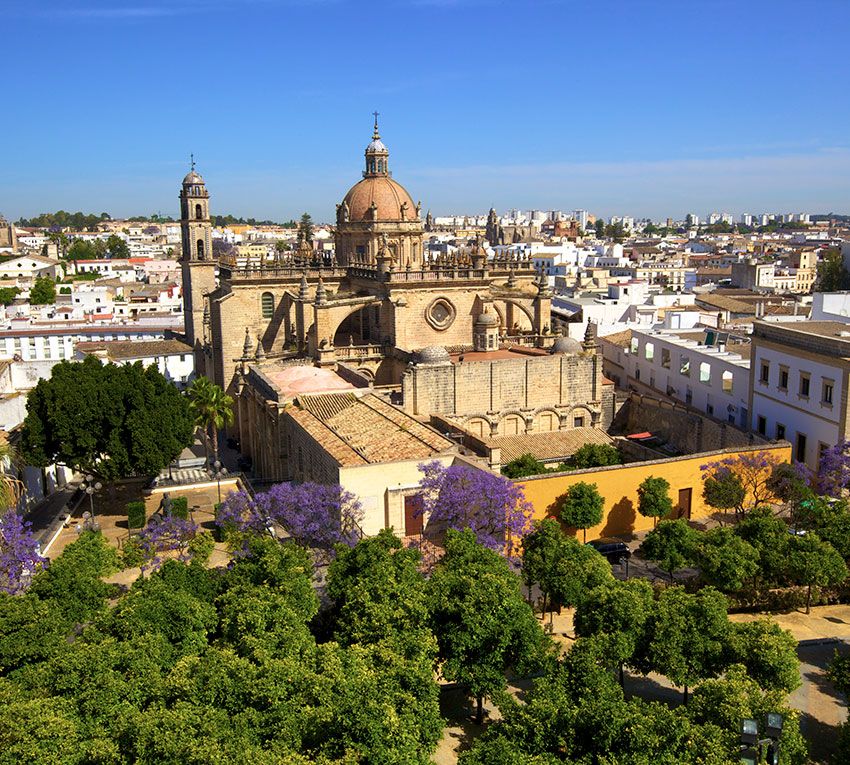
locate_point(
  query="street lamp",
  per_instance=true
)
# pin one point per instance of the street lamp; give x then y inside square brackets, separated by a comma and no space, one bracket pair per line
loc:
[218,473]
[90,486]
[751,744]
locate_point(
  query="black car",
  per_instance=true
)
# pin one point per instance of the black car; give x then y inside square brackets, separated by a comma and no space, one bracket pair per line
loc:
[614,550]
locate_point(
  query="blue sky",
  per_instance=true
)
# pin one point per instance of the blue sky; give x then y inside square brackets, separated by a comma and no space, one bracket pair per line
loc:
[619,107]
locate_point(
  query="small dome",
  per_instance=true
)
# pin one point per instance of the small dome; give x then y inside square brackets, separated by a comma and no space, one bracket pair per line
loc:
[376,146]
[433,354]
[192,178]
[566,345]
[486,319]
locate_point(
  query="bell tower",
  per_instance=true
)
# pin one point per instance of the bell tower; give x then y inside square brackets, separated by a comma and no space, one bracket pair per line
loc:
[197,264]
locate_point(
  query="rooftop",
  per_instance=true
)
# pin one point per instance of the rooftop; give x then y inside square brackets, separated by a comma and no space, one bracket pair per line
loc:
[133,349]
[292,380]
[366,430]
[498,355]
[553,445]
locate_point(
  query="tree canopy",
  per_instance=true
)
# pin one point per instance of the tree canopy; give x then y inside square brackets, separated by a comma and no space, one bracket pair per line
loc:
[43,291]
[109,420]
[582,507]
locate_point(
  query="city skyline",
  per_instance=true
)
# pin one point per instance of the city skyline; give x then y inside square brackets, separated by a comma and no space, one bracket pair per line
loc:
[649,110]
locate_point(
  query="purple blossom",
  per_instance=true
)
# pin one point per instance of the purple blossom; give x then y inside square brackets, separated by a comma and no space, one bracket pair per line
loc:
[463,497]
[20,557]
[834,470]
[316,516]
[167,534]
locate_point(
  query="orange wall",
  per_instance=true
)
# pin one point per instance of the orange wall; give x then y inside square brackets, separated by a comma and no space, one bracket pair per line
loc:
[618,486]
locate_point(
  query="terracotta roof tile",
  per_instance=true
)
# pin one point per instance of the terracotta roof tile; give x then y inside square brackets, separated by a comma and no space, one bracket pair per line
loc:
[553,445]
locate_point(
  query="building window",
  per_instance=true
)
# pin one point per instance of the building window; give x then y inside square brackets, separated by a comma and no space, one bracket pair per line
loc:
[200,244]
[783,378]
[705,372]
[761,425]
[267,301]
[649,351]
[800,455]
[199,213]
[826,391]
[804,384]
[665,358]
[780,432]
[684,366]
[728,381]
[634,346]
[578,422]
[765,372]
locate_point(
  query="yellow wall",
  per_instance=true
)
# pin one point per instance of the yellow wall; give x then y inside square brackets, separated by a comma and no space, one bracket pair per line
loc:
[618,486]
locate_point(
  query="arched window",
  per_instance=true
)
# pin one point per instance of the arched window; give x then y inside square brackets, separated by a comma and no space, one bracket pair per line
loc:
[380,166]
[199,212]
[267,303]
[200,249]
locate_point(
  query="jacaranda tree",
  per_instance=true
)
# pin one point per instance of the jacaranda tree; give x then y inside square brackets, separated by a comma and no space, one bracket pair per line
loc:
[314,515]
[19,554]
[461,497]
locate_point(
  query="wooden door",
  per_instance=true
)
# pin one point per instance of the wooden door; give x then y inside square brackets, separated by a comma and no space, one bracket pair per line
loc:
[413,518]
[684,503]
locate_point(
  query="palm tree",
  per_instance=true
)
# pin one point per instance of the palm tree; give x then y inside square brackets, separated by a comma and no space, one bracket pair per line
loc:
[11,487]
[212,409]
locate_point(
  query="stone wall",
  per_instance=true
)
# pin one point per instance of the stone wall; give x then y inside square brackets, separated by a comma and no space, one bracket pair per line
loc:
[687,430]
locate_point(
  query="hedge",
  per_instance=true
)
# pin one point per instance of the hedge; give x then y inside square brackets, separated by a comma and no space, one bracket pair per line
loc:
[136,515]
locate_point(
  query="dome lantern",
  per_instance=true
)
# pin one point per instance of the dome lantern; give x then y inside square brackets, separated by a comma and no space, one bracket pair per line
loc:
[377,155]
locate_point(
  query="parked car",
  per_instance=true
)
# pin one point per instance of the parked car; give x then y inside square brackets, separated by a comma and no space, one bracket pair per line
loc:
[614,550]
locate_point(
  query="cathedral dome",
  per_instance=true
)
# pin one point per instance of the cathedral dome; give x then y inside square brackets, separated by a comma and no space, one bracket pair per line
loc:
[566,345]
[387,196]
[433,354]
[192,178]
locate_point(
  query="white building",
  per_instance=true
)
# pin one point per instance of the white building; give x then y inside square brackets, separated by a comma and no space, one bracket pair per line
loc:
[30,267]
[799,384]
[173,358]
[713,378]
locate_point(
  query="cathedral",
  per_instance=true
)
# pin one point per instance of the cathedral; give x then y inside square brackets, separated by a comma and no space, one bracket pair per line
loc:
[464,339]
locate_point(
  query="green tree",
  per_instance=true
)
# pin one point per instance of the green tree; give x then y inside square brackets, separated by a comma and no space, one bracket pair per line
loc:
[43,291]
[769,536]
[8,295]
[832,273]
[599,227]
[212,409]
[60,240]
[654,498]
[541,548]
[116,247]
[725,560]
[305,228]
[378,592]
[109,420]
[482,623]
[619,610]
[583,507]
[670,545]
[82,249]
[73,581]
[595,455]
[724,490]
[522,466]
[768,652]
[616,231]
[813,562]
[686,636]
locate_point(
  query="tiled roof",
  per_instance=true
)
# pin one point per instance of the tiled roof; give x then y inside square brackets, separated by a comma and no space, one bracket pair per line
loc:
[553,445]
[621,339]
[367,430]
[725,303]
[134,349]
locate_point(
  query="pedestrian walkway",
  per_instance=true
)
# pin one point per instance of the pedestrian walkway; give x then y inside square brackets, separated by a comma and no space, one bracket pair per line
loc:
[823,623]
[44,516]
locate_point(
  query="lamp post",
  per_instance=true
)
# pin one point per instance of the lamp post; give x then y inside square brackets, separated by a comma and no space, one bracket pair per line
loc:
[90,486]
[751,744]
[218,473]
